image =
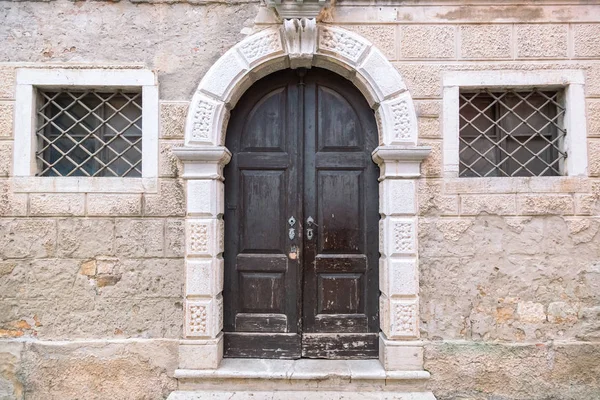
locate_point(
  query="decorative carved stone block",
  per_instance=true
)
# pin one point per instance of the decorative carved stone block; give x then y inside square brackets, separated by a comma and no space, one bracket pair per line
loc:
[397,196]
[342,43]
[398,277]
[204,277]
[301,41]
[204,318]
[297,8]
[204,121]
[205,197]
[261,46]
[204,237]
[398,115]
[399,236]
[404,315]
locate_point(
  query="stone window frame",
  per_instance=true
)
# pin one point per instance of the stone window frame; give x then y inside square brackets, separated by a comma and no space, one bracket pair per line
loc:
[28,80]
[571,81]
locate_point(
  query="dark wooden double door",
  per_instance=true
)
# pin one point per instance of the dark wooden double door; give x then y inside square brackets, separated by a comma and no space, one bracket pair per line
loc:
[301,221]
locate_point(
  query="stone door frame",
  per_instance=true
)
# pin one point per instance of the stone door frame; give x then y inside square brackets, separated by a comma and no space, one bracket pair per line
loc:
[302,43]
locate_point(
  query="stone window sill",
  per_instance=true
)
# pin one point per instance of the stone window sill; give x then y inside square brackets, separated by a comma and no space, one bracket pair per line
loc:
[303,369]
[26,184]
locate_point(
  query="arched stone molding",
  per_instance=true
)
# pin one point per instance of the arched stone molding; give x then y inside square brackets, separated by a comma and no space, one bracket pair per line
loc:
[302,43]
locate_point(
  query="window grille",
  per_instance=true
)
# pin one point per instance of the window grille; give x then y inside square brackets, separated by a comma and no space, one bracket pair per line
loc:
[89,133]
[511,133]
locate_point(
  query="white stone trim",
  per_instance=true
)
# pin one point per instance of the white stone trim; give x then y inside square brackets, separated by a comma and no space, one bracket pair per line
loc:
[294,44]
[572,81]
[24,167]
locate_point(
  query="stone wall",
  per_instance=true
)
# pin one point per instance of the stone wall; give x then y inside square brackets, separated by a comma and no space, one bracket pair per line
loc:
[91,284]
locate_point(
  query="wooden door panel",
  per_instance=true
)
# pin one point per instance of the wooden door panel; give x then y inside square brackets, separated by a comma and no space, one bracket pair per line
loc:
[340,212]
[340,193]
[263,230]
[261,297]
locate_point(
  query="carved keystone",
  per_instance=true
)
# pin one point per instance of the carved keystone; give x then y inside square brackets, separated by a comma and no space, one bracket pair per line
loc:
[301,41]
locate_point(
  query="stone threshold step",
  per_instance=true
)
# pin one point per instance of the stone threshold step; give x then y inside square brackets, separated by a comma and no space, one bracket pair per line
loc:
[299,395]
[303,369]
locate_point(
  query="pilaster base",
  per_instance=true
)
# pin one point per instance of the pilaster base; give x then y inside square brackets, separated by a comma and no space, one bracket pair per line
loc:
[396,355]
[201,354]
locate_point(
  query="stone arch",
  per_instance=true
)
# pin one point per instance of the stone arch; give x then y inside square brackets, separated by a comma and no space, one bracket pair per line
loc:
[301,43]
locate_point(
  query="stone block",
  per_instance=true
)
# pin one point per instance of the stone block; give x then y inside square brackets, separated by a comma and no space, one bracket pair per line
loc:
[7,111]
[13,279]
[397,120]
[428,108]
[380,76]
[586,39]
[261,46]
[170,200]
[432,200]
[382,36]
[204,318]
[400,358]
[543,40]
[592,80]
[397,196]
[139,238]
[398,277]
[175,238]
[594,157]
[530,312]
[206,119]
[114,205]
[224,75]
[399,318]
[6,152]
[172,119]
[427,41]
[486,41]
[422,80]
[99,369]
[139,278]
[560,312]
[27,238]
[502,204]
[432,165]
[430,128]
[85,238]
[397,236]
[204,277]
[205,197]
[204,237]
[56,280]
[540,204]
[11,203]
[201,354]
[342,43]
[59,204]
[593,117]
[7,83]
[587,204]
[168,164]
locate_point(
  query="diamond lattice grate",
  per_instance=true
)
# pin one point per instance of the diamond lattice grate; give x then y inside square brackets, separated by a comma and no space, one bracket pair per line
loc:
[89,133]
[511,133]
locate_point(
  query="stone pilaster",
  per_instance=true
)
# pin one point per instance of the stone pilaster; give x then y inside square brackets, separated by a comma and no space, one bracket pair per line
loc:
[398,265]
[203,173]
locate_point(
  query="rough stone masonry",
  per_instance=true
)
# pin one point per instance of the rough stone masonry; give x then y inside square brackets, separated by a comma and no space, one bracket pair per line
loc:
[91,284]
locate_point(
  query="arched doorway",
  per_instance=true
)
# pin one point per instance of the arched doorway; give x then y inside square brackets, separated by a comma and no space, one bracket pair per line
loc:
[301,220]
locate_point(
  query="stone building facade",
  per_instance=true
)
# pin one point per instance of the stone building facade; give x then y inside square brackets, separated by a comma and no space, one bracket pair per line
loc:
[111,287]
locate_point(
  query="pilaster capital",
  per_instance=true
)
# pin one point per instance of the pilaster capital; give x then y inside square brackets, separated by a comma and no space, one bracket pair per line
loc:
[203,162]
[400,161]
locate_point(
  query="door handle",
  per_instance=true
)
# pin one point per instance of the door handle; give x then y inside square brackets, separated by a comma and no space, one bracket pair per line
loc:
[292,230]
[310,222]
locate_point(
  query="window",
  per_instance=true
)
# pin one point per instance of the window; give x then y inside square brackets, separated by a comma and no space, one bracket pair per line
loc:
[514,123]
[511,133]
[89,133]
[86,130]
